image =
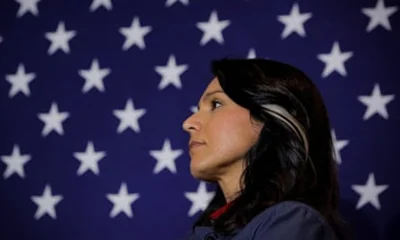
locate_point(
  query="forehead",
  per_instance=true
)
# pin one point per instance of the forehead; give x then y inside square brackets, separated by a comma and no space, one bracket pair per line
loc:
[212,86]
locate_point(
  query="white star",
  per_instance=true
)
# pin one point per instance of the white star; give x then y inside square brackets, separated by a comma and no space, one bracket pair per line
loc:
[20,81]
[369,192]
[294,22]
[251,54]
[338,145]
[334,61]
[169,3]
[15,163]
[27,5]
[379,16]
[94,76]
[193,109]
[376,103]
[53,120]
[60,39]
[165,157]
[171,73]
[122,201]
[107,4]
[199,199]
[212,29]
[46,203]
[89,159]
[134,35]
[129,117]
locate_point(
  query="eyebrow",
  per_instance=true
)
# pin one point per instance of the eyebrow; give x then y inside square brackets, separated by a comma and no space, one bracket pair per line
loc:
[207,95]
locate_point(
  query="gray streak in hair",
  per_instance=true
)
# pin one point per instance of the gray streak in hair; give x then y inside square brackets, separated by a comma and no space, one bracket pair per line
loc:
[283,115]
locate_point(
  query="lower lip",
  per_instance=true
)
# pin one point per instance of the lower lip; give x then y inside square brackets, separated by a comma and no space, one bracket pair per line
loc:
[196,145]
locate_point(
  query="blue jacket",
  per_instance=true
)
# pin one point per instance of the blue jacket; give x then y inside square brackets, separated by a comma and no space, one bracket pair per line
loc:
[288,220]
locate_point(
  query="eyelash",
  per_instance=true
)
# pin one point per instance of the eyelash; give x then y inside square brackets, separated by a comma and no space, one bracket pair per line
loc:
[213,102]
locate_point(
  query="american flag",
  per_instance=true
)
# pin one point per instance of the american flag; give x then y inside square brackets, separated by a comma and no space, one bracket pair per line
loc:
[94,92]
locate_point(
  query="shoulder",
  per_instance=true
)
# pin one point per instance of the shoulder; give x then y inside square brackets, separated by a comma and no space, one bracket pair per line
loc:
[292,209]
[291,220]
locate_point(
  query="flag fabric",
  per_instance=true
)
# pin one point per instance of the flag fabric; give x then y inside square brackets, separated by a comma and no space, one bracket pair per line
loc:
[94,92]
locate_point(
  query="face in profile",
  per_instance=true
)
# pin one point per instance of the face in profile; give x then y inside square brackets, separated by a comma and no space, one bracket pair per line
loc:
[221,132]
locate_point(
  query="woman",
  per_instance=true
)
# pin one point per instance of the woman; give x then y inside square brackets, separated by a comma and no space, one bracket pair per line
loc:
[262,134]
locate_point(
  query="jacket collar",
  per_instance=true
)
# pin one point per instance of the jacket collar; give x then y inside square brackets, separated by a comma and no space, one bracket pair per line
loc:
[220,211]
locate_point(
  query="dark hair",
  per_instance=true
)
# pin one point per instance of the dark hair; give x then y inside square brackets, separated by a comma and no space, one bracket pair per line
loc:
[281,165]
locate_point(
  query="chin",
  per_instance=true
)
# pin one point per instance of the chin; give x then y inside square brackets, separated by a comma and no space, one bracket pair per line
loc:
[202,172]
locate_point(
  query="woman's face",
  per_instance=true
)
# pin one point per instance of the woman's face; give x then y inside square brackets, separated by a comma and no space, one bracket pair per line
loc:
[224,132]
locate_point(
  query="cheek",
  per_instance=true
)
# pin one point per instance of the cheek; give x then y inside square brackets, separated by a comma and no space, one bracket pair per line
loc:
[228,139]
[233,130]
[226,135]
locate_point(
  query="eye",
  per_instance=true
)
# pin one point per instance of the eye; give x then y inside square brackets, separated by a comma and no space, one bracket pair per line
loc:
[214,103]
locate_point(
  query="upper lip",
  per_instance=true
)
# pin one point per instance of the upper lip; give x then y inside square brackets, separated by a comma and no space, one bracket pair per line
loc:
[191,143]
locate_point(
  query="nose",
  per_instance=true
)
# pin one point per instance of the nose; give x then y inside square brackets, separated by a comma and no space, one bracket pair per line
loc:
[191,124]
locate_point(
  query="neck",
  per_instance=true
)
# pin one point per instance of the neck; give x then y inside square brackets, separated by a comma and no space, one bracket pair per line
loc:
[230,184]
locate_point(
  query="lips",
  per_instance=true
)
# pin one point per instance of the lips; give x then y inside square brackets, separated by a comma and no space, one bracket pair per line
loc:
[195,144]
